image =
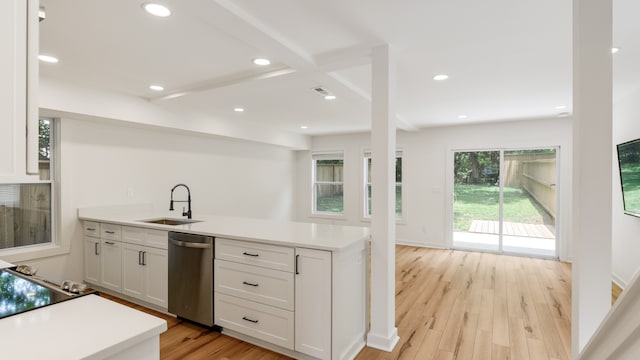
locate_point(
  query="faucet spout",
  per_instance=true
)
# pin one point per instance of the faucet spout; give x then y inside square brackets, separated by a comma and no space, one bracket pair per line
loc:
[188,201]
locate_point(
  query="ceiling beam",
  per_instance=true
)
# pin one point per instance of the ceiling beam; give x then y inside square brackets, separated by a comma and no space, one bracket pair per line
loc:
[223,81]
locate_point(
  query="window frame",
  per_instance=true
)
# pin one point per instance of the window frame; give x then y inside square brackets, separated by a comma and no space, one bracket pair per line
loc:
[326,155]
[58,245]
[366,216]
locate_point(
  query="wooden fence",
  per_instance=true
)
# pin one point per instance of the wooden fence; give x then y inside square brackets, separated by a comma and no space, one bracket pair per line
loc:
[29,221]
[534,173]
[333,173]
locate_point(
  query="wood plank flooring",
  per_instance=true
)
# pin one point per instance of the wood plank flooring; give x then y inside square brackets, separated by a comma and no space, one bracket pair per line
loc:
[449,305]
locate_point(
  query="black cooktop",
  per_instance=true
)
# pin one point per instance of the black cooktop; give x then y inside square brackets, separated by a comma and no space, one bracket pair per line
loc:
[20,293]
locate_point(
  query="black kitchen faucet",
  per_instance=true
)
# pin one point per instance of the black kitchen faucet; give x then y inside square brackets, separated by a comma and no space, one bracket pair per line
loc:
[188,201]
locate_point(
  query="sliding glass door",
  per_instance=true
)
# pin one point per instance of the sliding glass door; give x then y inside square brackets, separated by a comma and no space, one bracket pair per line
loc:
[476,192]
[505,201]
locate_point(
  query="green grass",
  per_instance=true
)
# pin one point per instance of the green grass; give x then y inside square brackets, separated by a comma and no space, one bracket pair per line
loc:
[335,204]
[631,185]
[480,202]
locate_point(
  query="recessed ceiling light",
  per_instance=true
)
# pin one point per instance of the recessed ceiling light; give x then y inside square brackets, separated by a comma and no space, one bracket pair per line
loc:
[156,87]
[329,97]
[462,116]
[47,58]
[615,50]
[238,109]
[441,77]
[156,9]
[261,61]
[304,127]
[560,107]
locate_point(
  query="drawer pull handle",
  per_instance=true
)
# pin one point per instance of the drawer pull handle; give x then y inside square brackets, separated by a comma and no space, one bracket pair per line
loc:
[110,232]
[249,320]
[250,284]
[91,229]
[109,243]
[250,254]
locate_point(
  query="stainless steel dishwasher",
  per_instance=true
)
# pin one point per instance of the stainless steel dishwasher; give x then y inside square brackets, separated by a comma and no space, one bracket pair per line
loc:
[191,277]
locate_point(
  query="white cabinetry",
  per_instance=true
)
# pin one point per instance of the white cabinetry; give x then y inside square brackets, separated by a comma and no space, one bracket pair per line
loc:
[313,303]
[103,255]
[306,302]
[18,89]
[145,265]
[253,285]
[127,260]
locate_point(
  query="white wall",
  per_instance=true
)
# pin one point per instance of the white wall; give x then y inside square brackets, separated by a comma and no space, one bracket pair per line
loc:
[427,173]
[113,164]
[626,229]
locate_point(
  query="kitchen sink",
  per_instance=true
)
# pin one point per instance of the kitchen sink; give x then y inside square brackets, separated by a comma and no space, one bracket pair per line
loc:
[169,221]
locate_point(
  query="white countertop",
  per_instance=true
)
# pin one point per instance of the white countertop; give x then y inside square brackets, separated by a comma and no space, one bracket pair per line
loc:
[288,233]
[89,327]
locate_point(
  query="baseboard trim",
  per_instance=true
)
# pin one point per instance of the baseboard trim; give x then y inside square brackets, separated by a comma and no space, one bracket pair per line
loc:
[420,244]
[383,343]
[618,280]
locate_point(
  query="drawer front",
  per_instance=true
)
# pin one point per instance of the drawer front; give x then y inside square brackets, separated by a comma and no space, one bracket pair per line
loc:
[156,238]
[266,286]
[250,318]
[92,228]
[148,237]
[111,232]
[263,255]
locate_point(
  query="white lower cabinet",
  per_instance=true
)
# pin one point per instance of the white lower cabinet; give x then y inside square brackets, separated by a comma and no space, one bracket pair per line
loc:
[103,255]
[261,321]
[111,264]
[144,273]
[310,303]
[313,303]
[128,260]
[92,263]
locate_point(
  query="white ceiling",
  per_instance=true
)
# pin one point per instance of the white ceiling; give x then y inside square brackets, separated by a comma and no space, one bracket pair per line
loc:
[506,59]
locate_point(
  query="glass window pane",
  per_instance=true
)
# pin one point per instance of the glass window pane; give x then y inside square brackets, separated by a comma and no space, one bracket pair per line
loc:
[329,198]
[398,199]
[44,153]
[329,170]
[25,214]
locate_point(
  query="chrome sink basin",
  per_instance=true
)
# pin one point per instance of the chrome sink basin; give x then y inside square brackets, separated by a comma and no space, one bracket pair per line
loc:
[169,221]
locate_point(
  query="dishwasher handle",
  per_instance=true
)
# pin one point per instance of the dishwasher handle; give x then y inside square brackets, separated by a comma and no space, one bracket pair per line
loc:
[188,244]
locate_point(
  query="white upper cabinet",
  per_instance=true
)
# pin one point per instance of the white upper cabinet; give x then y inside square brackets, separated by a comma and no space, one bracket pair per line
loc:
[18,90]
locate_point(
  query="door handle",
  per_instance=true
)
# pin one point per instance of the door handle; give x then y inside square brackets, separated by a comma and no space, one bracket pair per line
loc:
[95,248]
[296,265]
[190,244]
[139,257]
[144,258]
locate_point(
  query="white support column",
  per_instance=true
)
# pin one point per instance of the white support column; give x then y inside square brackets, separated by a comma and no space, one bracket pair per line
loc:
[383,333]
[592,161]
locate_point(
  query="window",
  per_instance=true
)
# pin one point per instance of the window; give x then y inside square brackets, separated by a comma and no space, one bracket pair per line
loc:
[367,183]
[328,183]
[25,209]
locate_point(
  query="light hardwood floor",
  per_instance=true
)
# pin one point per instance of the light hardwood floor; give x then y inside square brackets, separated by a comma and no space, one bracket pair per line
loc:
[449,305]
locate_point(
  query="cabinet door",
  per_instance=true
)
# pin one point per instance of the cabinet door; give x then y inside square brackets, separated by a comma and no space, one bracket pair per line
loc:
[111,253]
[156,274]
[92,260]
[132,271]
[18,107]
[313,303]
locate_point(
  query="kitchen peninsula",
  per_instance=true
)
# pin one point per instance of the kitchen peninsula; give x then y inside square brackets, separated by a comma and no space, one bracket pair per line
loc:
[296,288]
[87,327]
